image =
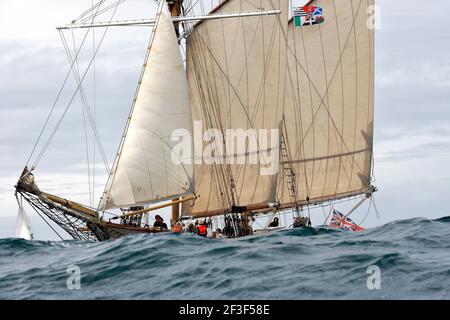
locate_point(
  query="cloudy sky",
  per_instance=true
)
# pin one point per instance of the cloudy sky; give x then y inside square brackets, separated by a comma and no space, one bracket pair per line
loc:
[412,124]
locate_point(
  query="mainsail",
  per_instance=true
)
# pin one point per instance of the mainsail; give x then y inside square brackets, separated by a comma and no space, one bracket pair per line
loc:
[144,170]
[314,82]
[329,103]
[236,73]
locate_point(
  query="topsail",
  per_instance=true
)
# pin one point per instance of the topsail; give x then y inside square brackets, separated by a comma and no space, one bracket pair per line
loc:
[329,103]
[144,170]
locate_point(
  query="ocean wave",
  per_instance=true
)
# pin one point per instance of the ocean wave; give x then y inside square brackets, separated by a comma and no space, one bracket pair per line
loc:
[305,263]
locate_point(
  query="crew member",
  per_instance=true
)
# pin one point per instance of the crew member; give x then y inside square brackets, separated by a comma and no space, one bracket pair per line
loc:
[177,227]
[201,230]
[274,223]
[159,222]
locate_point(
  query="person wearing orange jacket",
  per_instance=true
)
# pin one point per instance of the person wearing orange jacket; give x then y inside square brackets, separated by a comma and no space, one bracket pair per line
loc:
[201,230]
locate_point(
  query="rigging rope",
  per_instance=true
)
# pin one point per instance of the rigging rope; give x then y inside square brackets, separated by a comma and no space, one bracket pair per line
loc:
[375,207]
[85,103]
[77,71]
[113,5]
[368,211]
[55,103]
[90,10]
[74,95]
[94,107]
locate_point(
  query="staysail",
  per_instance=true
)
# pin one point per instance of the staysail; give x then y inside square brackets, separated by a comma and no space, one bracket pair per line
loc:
[145,170]
[329,103]
[236,74]
[23,226]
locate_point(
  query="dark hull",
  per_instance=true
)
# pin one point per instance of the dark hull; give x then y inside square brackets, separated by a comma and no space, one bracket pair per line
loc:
[105,231]
[76,223]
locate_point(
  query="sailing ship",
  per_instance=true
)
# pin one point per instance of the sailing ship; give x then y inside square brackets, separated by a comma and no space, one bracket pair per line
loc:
[247,67]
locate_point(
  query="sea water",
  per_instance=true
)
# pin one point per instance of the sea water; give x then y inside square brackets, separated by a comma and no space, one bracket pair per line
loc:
[401,260]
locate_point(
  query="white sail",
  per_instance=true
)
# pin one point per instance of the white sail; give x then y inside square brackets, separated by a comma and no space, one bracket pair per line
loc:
[236,73]
[144,170]
[23,226]
[329,103]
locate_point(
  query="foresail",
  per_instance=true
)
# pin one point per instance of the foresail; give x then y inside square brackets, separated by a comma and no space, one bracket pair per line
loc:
[236,73]
[23,226]
[145,169]
[329,103]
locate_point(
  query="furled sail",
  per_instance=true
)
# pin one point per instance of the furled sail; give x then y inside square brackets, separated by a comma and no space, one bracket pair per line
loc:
[329,103]
[145,169]
[23,226]
[236,73]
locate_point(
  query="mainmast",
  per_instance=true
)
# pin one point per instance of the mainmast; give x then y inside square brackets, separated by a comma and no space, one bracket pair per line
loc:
[175,9]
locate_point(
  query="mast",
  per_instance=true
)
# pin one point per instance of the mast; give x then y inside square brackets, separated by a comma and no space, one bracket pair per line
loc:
[175,7]
[175,216]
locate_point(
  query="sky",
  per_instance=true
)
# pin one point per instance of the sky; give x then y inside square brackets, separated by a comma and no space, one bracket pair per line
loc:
[412,103]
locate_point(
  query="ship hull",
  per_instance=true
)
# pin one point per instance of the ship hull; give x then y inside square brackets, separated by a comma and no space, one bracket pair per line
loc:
[105,231]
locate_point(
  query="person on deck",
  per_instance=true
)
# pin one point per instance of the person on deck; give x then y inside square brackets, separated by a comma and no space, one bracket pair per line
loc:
[191,228]
[274,223]
[219,234]
[159,222]
[201,230]
[177,227]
